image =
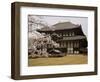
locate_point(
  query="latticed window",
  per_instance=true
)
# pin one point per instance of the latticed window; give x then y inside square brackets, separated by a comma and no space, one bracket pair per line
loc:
[76,44]
[70,34]
[66,34]
[73,34]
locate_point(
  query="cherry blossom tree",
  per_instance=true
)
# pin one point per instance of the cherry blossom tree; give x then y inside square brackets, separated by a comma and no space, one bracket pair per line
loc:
[38,42]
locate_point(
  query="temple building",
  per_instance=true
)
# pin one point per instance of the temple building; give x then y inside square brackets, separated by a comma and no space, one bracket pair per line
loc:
[69,36]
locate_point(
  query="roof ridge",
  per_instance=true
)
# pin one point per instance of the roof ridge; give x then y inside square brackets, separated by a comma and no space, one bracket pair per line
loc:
[62,25]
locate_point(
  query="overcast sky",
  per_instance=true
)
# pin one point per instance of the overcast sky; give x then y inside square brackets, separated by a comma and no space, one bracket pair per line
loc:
[51,20]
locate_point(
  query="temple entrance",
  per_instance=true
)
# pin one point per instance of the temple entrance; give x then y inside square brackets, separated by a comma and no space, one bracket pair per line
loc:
[73,47]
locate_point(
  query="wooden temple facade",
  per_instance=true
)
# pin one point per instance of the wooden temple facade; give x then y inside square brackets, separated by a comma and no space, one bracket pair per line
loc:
[69,36]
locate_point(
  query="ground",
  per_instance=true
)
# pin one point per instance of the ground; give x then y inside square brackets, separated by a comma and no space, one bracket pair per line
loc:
[66,60]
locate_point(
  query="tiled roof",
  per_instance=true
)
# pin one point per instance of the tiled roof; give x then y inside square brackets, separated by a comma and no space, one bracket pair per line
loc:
[60,26]
[65,25]
[73,38]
